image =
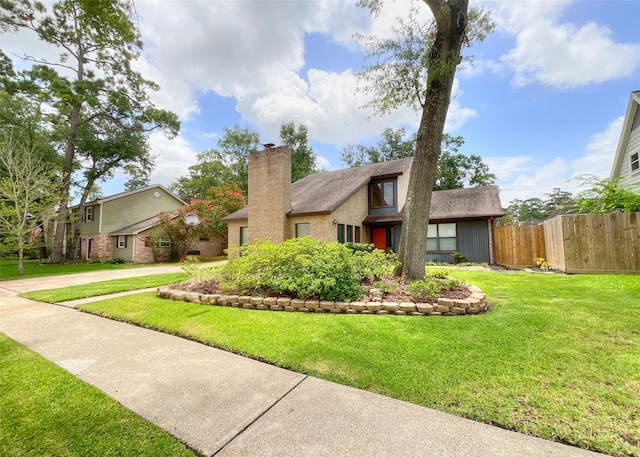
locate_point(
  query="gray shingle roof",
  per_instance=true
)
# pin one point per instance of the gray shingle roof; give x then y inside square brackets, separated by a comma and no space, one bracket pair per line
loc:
[141,226]
[325,192]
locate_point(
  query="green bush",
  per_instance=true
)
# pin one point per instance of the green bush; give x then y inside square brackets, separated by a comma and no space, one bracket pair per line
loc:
[303,268]
[431,287]
[459,257]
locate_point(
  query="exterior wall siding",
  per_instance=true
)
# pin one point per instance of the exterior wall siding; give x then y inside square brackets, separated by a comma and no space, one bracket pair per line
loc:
[633,145]
[129,209]
[472,240]
[124,253]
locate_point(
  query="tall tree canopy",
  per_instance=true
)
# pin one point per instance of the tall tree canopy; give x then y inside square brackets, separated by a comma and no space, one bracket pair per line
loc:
[455,170]
[91,83]
[417,66]
[303,159]
[228,163]
[27,193]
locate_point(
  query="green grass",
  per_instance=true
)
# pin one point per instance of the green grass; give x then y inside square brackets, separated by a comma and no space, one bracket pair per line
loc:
[46,411]
[104,288]
[558,357]
[34,269]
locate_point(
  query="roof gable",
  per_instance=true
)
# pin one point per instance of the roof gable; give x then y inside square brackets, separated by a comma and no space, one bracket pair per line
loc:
[128,193]
[631,122]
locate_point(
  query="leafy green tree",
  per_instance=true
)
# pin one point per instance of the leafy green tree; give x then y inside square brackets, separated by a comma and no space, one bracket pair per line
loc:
[537,209]
[207,172]
[417,67]
[392,145]
[219,202]
[229,162]
[454,169]
[457,170]
[532,209]
[303,159]
[27,194]
[234,147]
[98,41]
[103,152]
[606,196]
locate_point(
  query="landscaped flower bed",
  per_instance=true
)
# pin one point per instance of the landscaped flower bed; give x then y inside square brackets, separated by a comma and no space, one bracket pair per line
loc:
[475,303]
[314,276]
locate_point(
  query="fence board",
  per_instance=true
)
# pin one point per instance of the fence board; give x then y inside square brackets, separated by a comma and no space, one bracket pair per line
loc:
[594,243]
[519,246]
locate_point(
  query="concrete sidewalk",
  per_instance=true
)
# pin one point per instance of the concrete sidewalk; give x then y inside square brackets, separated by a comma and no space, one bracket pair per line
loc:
[223,404]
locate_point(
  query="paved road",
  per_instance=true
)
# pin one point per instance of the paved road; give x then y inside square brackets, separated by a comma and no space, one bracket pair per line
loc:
[226,405]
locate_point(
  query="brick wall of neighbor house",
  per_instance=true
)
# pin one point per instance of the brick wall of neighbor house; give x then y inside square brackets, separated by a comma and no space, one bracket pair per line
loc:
[210,248]
[101,247]
[269,193]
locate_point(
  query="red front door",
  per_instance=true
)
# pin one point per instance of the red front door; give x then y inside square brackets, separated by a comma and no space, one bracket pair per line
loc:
[380,238]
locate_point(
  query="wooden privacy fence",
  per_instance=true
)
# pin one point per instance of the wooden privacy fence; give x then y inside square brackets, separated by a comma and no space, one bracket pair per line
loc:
[519,245]
[594,243]
[577,243]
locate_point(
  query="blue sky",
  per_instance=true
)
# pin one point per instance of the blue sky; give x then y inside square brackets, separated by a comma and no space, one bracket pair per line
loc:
[542,103]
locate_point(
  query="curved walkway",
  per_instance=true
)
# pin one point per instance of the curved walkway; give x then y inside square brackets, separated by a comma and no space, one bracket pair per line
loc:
[223,404]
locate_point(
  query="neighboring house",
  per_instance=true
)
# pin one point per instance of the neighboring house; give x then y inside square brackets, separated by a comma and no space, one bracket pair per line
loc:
[124,224]
[626,164]
[360,204]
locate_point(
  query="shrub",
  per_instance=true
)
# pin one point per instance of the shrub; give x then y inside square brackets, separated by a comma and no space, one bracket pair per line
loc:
[303,268]
[431,287]
[459,257]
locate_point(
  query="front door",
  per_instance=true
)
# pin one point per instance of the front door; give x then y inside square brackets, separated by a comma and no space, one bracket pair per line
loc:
[380,238]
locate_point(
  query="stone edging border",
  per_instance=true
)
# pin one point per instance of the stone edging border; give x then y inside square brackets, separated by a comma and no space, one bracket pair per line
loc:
[474,304]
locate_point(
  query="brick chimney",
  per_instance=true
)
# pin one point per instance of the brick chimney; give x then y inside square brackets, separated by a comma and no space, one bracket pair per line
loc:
[269,193]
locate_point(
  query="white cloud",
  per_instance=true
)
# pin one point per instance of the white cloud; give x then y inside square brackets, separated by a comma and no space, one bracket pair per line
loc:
[174,157]
[561,54]
[601,151]
[523,177]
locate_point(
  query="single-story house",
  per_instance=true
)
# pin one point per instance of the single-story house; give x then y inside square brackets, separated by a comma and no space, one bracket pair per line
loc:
[361,204]
[626,164]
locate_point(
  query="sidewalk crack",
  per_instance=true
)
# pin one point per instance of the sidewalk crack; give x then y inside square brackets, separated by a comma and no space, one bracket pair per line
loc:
[230,440]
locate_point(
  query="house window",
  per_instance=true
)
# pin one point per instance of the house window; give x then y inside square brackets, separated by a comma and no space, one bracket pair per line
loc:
[122,241]
[89,214]
[349,233]
[303,230]
[441,237]
[635,163]
[357,237]
[382,194]
[340,233]
[147,241]
[244,236]
[164,242]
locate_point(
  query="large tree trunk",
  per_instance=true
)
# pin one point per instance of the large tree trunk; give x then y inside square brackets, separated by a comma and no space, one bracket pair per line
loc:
[57,252]
[444,56]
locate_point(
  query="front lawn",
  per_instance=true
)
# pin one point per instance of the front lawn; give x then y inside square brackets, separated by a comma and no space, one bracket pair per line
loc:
[558,356]
[104,287]
[36,269]
[46,411]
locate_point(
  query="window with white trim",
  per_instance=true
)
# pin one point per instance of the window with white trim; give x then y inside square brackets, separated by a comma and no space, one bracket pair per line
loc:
[634,161]
[122,241]
[442,237]
[89,214]
[164,242]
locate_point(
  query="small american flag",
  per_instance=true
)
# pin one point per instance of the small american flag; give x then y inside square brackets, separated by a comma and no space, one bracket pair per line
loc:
[34,233]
